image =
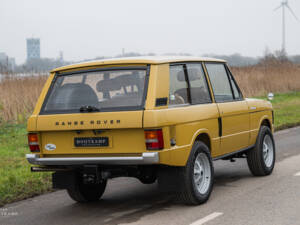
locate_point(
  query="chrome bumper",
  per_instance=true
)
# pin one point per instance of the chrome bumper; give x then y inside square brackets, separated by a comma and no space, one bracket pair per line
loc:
[145,159]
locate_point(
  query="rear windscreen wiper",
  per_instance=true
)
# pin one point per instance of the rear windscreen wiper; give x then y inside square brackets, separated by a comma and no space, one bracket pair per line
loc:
[89,108]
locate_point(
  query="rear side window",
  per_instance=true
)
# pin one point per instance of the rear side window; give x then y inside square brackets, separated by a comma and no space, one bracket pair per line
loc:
[178,91]
[219,81]
[198,85]
[105,90]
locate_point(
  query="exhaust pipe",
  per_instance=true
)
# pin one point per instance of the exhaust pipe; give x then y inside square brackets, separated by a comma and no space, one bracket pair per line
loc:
[48,169]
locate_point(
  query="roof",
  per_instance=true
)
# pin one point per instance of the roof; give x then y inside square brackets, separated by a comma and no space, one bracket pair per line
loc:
[139,60]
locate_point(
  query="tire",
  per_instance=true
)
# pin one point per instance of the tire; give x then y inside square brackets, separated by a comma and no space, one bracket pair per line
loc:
[81,192]
[181,180]
[261,159]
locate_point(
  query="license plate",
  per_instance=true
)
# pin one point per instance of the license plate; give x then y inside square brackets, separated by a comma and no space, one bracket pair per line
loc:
[91,142]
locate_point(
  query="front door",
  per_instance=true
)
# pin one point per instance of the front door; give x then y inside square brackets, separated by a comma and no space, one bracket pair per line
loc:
[234,119]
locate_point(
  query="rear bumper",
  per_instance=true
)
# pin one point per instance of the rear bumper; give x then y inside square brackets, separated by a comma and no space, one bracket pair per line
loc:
[146,158]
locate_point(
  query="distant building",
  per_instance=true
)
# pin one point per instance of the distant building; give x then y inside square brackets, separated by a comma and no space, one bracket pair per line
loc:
[6,63]
[3,57]
[61,56]
[33,48]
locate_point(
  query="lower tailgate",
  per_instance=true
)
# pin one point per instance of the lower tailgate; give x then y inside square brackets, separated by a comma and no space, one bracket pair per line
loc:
[119,141]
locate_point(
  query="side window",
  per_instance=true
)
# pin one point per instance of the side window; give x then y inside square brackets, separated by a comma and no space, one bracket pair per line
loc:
[198,85]
[235,89]
[178,91]
[237,94]
[219,81]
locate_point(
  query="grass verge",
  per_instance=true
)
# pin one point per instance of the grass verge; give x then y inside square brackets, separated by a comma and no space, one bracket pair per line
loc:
[286,110]
[17,182]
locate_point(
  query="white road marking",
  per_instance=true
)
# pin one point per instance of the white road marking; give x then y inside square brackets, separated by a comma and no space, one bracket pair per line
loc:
[297,174]
[207,218]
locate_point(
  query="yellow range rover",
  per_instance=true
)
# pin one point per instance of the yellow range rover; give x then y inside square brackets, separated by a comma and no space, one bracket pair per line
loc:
[152,118]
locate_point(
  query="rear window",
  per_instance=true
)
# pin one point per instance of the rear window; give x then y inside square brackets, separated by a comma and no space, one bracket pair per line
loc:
[102,90]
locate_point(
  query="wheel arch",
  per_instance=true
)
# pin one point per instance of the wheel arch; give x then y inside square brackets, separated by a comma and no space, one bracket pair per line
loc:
[203,135]
[179,155]
[266,121]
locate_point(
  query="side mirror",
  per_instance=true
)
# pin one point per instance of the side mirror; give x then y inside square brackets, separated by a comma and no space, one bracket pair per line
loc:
[270,96]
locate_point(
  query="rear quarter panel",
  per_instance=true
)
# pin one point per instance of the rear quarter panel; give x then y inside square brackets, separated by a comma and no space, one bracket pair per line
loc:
[184,124]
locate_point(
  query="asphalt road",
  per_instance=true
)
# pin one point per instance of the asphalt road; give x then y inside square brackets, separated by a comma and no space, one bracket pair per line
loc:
[237,198]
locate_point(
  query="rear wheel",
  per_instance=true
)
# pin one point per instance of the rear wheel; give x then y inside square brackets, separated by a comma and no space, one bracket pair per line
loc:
[261,159]
[193,183]
[81,192]
[202,173]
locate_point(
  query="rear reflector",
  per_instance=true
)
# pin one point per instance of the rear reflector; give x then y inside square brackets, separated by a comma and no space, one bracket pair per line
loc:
[33,142]
[154,139]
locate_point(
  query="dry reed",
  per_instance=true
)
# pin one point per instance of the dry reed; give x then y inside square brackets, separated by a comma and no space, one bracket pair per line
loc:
[18,96]
[261,79]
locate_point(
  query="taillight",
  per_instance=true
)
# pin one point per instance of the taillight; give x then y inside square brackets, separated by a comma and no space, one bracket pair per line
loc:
[154,139]
[33,142]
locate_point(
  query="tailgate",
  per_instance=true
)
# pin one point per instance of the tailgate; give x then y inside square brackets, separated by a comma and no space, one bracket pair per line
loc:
[93,111]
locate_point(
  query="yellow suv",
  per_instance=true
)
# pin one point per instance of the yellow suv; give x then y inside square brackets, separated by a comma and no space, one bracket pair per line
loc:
[153,118]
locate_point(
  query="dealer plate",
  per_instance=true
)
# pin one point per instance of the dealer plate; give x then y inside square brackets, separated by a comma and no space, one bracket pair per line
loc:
[91,142]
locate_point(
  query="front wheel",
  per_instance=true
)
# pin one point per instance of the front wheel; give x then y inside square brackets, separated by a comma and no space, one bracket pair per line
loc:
[261,159]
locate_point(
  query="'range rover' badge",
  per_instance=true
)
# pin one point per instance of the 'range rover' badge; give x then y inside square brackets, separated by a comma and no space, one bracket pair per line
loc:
[50,147]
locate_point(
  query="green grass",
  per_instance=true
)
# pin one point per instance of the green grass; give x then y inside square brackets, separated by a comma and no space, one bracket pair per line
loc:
[286,110]
[17,182]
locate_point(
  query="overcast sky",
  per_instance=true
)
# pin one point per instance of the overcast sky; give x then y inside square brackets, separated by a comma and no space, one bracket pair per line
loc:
[90,28]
